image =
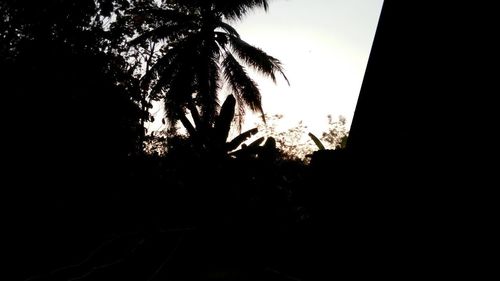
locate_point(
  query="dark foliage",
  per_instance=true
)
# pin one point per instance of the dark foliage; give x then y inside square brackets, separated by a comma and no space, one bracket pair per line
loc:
[70,130]
[83,203]
[200,52]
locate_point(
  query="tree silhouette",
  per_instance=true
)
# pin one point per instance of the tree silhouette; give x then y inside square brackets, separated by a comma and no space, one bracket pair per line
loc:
[70,126]
[200,51]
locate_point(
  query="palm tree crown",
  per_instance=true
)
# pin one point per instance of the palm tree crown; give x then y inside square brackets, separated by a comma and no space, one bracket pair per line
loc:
[201,51]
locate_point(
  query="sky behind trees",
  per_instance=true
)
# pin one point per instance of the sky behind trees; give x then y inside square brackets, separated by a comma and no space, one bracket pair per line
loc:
[324,46]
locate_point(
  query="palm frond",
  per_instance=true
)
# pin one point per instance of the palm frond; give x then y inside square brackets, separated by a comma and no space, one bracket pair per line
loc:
[242,86]
[163,64]
[177,81]
[221,38]
[163,15]
[257,58]
[178,94]
[235,10]
[208,80]
[186,4]
[200,54]
[164,32]
[227,28]
[179,54]
[173,50]
[167,69]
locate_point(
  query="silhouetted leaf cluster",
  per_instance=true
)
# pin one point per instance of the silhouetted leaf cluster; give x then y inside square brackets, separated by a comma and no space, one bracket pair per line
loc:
[199,52]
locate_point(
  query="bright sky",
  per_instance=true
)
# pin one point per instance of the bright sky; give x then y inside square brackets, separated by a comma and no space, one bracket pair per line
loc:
[324,46]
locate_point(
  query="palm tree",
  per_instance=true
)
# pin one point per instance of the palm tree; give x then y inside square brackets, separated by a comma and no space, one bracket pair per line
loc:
[200,52]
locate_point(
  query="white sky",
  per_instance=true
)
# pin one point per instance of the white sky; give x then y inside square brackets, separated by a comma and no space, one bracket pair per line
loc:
[324,46]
